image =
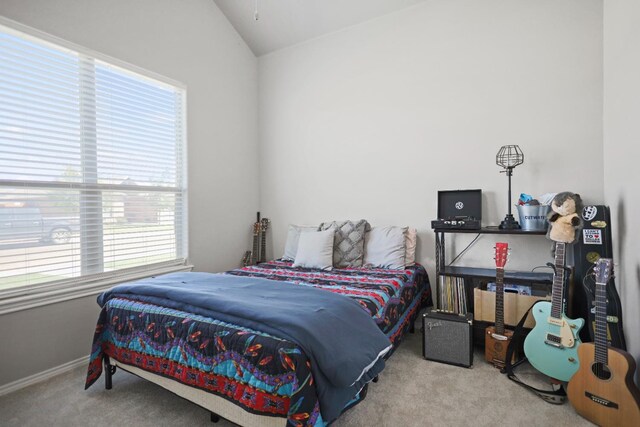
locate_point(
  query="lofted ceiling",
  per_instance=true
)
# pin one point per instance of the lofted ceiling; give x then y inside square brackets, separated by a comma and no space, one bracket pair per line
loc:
[284,23]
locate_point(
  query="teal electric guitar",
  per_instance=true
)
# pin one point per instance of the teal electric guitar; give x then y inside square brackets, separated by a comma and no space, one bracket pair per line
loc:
[552,345]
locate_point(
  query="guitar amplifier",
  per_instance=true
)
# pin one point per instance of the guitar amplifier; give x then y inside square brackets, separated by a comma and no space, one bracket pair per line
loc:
[448,338]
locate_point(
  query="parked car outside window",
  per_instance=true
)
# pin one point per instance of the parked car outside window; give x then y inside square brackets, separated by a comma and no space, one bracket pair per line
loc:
[28,223]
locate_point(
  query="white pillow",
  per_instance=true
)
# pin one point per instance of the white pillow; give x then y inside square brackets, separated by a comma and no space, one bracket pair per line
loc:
[384,247]
[315,250]
[293,235]
[410,242]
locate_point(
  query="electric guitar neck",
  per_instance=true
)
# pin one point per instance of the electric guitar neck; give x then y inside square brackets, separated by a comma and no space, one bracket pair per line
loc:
[552,346]
[557,293]
[497,337]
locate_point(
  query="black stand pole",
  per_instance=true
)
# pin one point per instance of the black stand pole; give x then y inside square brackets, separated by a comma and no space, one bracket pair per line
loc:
[509,222]
[108,373]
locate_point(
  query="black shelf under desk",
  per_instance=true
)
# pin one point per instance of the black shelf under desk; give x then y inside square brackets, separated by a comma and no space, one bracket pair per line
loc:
[441,265]
[475,277]
[490,230]
[490,273]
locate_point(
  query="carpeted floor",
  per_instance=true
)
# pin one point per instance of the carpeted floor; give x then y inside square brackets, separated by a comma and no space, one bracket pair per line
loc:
[411,392]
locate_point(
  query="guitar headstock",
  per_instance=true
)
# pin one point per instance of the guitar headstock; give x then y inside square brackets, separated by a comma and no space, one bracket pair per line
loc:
[264,224]
[602,270]
[256,228]
[502,253]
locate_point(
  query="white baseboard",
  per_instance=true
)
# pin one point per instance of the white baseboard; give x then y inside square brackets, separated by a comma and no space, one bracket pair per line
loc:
[41,376]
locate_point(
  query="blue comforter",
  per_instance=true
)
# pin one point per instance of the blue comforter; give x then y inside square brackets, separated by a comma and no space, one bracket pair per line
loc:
[342,341]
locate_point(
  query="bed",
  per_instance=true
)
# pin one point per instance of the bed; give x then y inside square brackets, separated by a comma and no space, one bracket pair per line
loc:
[250,375]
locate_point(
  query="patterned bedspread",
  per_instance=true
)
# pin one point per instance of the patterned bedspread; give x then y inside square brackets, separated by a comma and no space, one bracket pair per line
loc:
[261,373]
[391,297]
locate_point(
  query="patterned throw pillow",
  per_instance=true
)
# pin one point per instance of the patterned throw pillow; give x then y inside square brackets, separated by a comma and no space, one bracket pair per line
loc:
[348,243]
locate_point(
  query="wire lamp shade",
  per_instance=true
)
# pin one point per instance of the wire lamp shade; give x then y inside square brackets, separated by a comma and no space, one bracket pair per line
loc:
[509,156]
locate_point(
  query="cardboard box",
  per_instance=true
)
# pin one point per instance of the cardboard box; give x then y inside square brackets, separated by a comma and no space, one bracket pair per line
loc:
[484,308]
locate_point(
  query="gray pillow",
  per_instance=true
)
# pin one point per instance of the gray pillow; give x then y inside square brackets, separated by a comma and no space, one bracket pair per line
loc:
[348,243]
[293,236]
[385,248]
[315,250]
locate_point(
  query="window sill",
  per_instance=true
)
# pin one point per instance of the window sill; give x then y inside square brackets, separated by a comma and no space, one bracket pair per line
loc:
[31,298]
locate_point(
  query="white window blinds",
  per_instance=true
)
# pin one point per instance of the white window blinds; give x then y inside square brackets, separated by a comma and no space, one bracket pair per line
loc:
[92,167]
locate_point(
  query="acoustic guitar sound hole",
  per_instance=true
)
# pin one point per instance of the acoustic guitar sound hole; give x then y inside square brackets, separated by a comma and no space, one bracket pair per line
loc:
[601,371]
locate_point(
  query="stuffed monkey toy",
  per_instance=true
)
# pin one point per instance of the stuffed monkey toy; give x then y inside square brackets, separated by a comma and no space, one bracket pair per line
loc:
[564,219]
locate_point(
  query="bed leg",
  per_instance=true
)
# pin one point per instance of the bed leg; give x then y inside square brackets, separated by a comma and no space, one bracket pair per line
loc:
[215,417]
[376,379]
[108,373]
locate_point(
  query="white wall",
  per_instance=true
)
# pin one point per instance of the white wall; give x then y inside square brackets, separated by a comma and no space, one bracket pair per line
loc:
[372,121]
[621,153]
[192,42]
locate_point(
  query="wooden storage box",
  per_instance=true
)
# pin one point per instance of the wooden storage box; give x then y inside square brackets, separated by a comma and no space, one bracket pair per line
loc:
[515,306]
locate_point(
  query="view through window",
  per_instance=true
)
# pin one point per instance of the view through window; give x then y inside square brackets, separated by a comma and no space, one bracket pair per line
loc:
[91,165]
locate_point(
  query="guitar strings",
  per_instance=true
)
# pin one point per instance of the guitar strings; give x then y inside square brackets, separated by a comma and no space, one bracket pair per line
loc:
[591,274]
[600,368]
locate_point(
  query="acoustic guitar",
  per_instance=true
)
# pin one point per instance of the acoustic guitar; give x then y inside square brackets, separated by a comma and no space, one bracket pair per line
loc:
[603,390]
[256,242]
[497,338]
[552,345]
[264,226]
[246,259]
[615,333]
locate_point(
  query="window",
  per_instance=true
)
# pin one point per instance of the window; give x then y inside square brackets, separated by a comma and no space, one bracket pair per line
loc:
[92,166]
